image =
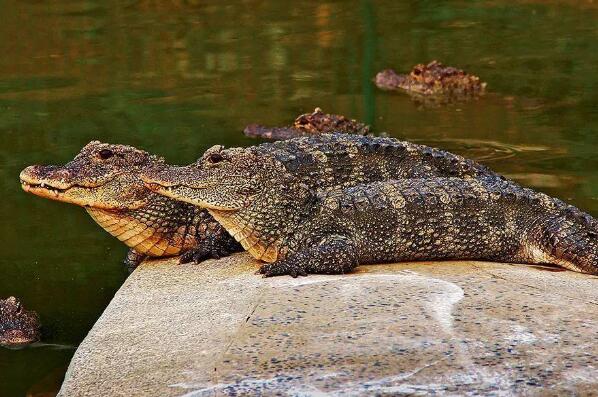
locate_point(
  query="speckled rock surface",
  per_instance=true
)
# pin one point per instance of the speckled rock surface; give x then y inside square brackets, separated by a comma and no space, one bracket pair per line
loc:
[452,328]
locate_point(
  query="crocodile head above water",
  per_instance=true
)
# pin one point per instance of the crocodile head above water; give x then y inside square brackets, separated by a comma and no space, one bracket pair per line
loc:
[432,80]
[316,122]
[104,178]
[17,325]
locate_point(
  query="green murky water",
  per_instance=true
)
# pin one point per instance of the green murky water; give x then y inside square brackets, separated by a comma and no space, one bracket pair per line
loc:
[175,77]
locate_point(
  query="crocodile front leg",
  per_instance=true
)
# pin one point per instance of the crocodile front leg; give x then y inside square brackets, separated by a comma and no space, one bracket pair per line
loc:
[133,259]
[214,249]
[334,254]
[215,243]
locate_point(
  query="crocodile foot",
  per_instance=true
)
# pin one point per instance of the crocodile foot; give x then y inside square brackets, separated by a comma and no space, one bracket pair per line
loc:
[133,259]
[334,254]
[197,255]
[281,268]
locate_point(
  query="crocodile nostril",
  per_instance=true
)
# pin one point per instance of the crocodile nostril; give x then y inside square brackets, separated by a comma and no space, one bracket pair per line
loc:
[63,174]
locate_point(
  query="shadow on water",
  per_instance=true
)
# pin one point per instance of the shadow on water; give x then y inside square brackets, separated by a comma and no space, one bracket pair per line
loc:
[176,77]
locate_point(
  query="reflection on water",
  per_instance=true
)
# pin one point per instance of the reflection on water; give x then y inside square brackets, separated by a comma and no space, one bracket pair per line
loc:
[487,151]
[175,77]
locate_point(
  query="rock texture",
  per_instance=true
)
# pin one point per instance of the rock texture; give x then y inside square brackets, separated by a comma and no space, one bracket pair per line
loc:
[448,328]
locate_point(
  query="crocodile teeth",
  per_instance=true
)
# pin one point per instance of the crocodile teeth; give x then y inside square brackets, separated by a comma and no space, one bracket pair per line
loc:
[43,185]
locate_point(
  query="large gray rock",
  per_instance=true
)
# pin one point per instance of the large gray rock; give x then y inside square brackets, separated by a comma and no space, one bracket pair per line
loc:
[451,328]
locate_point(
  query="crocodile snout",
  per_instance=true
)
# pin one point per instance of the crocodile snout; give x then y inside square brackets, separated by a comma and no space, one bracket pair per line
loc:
[50,175]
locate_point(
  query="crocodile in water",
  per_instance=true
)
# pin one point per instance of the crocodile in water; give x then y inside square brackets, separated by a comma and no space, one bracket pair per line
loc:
[17,325]
[313,123]
[433,83]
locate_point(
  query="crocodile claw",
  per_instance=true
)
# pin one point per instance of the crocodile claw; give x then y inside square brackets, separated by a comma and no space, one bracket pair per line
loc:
[281,268]
[194,256]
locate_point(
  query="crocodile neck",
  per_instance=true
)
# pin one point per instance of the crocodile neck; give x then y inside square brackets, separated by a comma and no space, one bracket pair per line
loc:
[262,229]
[161,228]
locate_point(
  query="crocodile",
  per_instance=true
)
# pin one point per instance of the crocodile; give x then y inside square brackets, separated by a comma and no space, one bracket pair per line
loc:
[316,122]
[104,179]
[303,207]
[17,325]
[433,83]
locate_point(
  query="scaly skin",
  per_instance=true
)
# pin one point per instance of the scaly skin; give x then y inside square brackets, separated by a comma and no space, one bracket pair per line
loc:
[324,162]
[17,325]
[437,219]
[314,123]
[151,225]
[297,204]
[104,179]
[433,83]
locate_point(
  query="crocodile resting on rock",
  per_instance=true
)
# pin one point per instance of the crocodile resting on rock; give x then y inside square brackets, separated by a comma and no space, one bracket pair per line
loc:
[265,197]
[316,122]
[433,82]
[17,325]
[104,179]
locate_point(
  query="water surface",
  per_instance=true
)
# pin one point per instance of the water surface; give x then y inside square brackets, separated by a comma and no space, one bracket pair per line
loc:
[175,77]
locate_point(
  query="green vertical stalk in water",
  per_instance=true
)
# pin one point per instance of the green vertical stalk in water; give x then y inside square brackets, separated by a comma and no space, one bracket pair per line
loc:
[367,65]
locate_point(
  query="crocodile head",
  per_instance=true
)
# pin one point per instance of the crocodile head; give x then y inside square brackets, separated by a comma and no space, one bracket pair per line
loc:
[222,179]
[432,79]
[102,176]
[247,191]
[316,122]
[17,325]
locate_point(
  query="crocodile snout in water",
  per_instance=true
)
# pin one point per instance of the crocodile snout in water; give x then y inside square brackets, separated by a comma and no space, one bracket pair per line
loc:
[17,325]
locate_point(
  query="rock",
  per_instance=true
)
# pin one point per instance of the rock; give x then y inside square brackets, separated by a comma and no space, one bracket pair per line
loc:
[450,328]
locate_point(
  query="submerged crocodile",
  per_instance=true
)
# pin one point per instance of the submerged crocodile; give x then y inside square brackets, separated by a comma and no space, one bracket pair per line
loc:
[104,179]
[17,325]
[433,82]
[266,197]
[313,123]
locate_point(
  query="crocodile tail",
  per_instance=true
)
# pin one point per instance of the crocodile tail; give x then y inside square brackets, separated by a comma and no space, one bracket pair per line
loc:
[569,239]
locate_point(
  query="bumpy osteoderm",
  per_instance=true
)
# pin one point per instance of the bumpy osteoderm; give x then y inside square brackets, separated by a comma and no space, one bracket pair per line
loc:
[438,219]
[17,325]
[316,122]
[259,183]
[104,179]
[309,205]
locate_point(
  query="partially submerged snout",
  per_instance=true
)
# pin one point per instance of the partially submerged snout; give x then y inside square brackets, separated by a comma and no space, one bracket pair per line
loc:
[17,325]
[388,79]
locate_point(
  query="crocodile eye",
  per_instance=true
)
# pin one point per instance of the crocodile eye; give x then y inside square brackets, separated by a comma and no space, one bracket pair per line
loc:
[106,154]
[215,158]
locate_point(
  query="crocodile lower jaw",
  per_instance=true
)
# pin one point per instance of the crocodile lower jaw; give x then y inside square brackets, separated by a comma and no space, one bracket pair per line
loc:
[43,190]
[144,239]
